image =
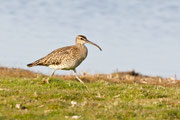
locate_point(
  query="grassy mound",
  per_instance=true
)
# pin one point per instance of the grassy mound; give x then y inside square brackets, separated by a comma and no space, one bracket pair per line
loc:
[29,98]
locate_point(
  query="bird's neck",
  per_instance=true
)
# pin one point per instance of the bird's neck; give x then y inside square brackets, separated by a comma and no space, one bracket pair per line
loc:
[83,49]
[81,46]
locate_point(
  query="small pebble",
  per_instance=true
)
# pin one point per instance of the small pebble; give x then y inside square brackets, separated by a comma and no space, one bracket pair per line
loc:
[73,103]
[75,117]
[19,106]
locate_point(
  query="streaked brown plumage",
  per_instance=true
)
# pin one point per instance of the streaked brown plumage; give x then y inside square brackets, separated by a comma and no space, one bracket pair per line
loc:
[61,56]
[66,58]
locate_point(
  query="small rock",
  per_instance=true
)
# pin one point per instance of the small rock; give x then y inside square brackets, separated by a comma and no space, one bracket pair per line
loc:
[35,94]
[19,106]
[117,96]
[66,117]
[75,117]
[73,103]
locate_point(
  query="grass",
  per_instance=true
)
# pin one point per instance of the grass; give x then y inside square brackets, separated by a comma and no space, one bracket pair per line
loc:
[24,98]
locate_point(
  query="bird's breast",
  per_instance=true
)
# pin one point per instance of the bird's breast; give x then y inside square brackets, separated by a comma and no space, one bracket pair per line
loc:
[73,59]
[79,56]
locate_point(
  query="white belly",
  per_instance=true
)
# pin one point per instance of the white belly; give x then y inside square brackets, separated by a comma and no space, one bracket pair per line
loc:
[57,67]
[70,66]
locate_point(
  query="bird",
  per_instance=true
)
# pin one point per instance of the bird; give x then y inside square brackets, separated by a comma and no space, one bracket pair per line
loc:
[66,58]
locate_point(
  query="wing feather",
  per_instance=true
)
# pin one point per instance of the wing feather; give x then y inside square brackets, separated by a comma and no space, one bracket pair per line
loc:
[57,56]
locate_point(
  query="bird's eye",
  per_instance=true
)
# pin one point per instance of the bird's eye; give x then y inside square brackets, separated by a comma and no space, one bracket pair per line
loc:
[82,39]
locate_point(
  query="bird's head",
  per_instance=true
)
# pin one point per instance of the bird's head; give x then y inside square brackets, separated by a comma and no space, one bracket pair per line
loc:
[81,39]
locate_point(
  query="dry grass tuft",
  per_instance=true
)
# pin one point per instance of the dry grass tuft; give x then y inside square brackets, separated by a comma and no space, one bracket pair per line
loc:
[116,77]
[126,77]
[18,72]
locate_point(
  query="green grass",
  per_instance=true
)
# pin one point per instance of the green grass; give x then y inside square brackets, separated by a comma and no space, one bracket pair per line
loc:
[103,100]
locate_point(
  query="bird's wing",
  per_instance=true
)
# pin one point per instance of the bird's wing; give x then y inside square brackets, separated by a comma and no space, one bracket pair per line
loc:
[55,57]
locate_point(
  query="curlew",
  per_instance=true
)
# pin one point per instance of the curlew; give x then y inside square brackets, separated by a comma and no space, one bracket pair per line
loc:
[66,58]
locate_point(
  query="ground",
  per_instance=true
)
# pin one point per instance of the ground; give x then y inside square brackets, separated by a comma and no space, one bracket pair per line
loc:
[30,98]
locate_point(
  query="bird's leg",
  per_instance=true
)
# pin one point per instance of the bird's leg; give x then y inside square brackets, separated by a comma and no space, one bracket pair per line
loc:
[52,73]
[79,78]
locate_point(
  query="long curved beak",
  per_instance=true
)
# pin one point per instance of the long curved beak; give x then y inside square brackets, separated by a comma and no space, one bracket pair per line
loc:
[94,44]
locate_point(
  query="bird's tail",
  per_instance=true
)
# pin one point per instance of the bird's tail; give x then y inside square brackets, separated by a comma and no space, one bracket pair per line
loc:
[36,63]
[30,65]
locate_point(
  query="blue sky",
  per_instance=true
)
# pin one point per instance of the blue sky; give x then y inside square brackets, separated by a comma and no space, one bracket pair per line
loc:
[134,34]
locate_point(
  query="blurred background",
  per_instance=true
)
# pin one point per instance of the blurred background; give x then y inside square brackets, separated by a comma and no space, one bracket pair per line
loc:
[134,34]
